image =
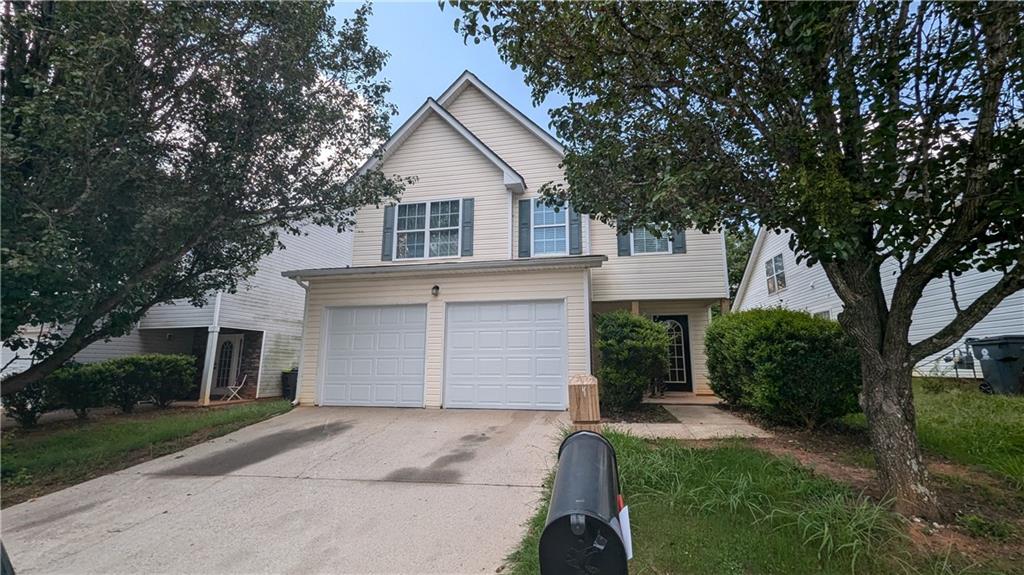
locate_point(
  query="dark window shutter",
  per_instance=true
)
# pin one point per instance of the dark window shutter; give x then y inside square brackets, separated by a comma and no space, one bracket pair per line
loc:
[623,239]
[679,241]
[524,228]
[467,226]
[575,232]
[387,246]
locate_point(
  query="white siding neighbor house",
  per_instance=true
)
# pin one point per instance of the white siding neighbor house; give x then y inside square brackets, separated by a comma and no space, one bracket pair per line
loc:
[253,334]
[773,278]
[469,293]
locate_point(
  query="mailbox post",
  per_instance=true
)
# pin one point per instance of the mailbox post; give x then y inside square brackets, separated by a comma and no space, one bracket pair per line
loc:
[582,534]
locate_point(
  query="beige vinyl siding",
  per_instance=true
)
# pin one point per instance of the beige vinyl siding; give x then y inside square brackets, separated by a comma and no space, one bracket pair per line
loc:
[567,285]
[698,316]
[139,341]
[447,167]
[524,151]
[698,273]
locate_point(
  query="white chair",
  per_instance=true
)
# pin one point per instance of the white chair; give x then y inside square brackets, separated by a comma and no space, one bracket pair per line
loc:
[234,388]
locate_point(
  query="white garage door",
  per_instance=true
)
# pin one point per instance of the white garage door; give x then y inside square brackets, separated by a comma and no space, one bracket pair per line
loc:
[375,356]
[506,355]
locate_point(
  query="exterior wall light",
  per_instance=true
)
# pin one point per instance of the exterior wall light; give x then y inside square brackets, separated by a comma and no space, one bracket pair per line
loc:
[435,290]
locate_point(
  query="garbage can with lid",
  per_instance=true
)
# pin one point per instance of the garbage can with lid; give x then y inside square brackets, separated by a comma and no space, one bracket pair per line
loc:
[1002,362]
[582,534]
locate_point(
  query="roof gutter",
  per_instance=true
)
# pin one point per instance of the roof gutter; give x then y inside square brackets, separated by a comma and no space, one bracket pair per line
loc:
[302,342]
[453,268]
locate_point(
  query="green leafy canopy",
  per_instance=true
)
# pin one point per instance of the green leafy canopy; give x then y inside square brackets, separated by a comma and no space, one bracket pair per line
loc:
[155,151]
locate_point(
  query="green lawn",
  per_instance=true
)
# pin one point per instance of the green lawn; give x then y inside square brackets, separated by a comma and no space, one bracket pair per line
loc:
[56,456]
[971,428]
[734,509]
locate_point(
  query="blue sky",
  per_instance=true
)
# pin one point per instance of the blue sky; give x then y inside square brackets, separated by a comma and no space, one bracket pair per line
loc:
[427,55]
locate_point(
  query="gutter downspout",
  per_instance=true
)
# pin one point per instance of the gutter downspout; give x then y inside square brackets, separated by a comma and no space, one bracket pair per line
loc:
[302,342]
[213,333]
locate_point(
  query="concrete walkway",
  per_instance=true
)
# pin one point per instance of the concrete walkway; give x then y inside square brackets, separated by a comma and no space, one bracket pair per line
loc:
[696,422]
[317,490]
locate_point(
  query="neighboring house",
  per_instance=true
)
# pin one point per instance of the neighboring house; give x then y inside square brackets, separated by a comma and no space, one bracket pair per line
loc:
[471,294]
[773,278]
[254,333]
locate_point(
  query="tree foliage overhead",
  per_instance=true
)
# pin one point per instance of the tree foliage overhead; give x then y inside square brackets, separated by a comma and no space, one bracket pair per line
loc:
[871,130]
[154,151]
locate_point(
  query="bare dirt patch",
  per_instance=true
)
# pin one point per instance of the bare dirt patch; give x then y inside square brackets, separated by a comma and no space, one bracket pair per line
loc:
[646,413]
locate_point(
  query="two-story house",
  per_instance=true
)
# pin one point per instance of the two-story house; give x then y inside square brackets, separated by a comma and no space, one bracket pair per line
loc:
[470,293]
[773,278]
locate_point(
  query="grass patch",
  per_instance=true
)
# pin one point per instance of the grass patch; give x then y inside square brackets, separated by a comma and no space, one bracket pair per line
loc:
[51,458]
[979,526]
[734,509]
[971,428]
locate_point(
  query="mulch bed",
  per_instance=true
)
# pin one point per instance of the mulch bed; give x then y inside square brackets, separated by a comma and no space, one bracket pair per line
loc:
[647,413]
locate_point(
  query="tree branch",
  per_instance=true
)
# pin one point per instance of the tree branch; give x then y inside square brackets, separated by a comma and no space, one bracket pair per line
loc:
[1010,283]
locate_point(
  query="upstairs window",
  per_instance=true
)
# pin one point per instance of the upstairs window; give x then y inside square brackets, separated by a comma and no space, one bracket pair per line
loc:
[646,242]
[776,274]
[550,230]
[428,229]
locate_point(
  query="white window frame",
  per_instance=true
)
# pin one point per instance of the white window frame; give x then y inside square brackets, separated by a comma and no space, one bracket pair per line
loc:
[533,227]
[632,245]
[426,231]
[775,275]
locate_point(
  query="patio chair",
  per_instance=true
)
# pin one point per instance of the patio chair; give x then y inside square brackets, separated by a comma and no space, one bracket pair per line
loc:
[234,388]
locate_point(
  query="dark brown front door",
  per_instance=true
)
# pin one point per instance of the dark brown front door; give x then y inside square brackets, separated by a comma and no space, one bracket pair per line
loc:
[680,374]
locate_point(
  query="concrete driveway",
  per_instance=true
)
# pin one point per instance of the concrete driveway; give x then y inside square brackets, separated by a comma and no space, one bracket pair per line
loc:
[317,490]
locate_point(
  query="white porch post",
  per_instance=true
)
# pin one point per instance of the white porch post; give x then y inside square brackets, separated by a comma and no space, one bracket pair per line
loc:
[211,355]
[208,360]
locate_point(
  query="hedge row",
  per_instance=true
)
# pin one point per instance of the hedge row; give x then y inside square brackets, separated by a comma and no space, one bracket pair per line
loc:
[121,382]
[788,367]
[634,353]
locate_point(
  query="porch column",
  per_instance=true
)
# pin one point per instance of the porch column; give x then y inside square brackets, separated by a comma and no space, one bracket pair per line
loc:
[211,356]
[635,307]
[724,305]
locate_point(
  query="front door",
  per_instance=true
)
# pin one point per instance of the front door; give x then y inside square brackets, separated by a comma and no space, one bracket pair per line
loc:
[225,366]
[680,374]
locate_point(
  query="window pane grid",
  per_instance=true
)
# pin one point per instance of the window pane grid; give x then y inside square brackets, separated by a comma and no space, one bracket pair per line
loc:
[549,233]
[645,242]
[414,239]
[776,276]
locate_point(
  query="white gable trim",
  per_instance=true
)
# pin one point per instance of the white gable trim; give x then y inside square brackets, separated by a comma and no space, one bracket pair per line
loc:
[469,79]
[513,181]
[748,272]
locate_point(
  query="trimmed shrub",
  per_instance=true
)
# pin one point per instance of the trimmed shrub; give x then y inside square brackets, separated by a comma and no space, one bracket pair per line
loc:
[634,352]
[788,367]
[164,378]
[27,405]
[80,387]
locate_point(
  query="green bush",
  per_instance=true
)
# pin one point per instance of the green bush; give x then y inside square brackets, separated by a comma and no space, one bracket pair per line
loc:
[788,367]
[79,387]
[27,405]
[164,378]
[634,352]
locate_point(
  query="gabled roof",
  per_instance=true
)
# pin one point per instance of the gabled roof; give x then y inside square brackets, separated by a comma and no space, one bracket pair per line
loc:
[755,252]
[513,181]
[469,79]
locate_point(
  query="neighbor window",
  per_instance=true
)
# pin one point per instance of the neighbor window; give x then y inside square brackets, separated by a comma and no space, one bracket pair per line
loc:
[550,229]
[776,275]
[430,228]
[647,242]
[822,314]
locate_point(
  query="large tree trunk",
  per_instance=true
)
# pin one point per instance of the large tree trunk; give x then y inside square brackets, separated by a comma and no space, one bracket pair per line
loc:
[888,402]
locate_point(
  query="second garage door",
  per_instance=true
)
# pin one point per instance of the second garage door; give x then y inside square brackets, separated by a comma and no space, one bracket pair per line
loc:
[375,356]
[505,355]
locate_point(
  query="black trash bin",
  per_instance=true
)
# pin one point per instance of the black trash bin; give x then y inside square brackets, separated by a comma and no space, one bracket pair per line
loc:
[288,383]
[1002,362]
[582,534]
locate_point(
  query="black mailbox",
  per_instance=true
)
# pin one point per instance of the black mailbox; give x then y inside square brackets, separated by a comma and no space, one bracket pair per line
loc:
[582,534]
